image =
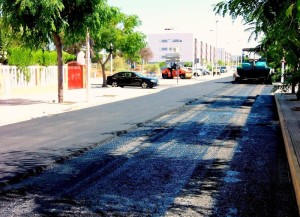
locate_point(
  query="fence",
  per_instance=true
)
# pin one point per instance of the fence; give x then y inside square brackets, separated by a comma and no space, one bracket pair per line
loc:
[13,80]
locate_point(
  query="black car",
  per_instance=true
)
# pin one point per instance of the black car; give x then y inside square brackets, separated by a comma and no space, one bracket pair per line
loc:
[125,78]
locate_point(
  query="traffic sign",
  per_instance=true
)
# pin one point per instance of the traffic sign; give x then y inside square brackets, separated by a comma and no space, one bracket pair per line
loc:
[172,60]
[172,57]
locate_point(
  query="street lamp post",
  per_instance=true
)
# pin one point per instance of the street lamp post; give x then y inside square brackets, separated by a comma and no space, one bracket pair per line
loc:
[212,59]
[88,65]
[282,69]
[111,60]
[216,51]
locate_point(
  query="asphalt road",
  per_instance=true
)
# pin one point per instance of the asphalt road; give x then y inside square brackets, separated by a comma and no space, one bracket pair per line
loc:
[42,141]
[210,149]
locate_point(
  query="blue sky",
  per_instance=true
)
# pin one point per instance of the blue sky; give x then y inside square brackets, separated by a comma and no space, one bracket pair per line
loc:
[189,16]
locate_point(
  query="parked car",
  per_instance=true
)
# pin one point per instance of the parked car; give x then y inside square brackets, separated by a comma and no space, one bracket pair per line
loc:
[200,72]
[206,72]
[127,78]
[223,69]
[216,71]
[197,72]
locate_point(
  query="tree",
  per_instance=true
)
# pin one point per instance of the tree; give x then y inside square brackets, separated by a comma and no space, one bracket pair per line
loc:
[42,22]
[278,22]
[146,54]
[131,44]
[119,32]
[7,40]
[2,47]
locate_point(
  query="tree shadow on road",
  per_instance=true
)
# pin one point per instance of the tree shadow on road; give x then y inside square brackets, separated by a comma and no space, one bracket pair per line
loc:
[172,165]
[20,101]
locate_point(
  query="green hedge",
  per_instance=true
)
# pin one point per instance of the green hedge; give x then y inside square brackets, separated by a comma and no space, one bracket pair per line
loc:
[23,57]
[152,68]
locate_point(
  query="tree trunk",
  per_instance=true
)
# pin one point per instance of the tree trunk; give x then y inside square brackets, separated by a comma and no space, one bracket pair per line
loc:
[58,45]
[104,84]
[293,87]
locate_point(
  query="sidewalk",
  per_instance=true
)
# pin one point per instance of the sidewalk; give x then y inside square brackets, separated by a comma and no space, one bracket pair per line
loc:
[17,109]
[289,116]
[13,110]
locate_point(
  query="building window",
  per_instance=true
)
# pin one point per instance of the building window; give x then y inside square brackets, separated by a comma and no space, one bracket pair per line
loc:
[176,40]
[164,48]
[164,41]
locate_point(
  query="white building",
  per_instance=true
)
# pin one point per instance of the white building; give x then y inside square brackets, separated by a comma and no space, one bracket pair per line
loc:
[190,48]
[224,56]
[162,44]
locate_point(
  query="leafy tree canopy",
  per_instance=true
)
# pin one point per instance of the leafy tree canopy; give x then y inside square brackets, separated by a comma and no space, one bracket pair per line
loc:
[119,31]
[38,20]
[42,21]
[118,35]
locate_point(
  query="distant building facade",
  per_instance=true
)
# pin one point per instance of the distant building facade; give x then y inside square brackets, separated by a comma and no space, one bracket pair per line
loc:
[162,44]
[190,48]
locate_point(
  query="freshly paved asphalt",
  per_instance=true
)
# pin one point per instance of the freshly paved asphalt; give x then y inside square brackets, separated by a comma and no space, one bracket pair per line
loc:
[18,109]
[28,146]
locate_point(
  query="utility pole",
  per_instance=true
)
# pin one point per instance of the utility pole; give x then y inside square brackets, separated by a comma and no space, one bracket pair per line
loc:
[282,69]
[111,59]
[216,51]
[88,67]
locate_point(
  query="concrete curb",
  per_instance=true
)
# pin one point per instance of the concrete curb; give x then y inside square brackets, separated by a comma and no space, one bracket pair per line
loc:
[290,151]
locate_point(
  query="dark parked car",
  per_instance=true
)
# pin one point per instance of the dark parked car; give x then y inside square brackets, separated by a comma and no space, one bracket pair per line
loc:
[125,78]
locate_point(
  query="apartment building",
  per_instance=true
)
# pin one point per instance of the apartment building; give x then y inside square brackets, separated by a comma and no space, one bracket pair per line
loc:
[191,49]
[162,44]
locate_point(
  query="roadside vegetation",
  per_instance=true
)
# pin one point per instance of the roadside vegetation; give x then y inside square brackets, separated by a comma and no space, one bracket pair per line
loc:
[278,23]
[67,27]
[42,26]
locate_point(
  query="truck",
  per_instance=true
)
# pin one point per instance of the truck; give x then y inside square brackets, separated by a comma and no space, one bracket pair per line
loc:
[253,69]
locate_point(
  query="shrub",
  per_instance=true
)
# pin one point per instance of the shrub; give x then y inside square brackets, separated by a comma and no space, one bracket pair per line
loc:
[162,65]
[188,64]
[152,68]
[119,64]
